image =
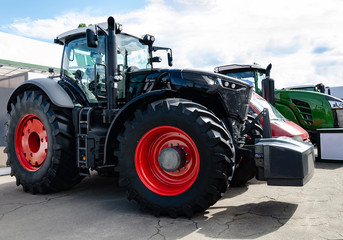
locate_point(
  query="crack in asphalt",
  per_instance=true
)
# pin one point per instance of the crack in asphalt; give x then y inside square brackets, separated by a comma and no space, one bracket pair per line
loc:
[251,210]
[278,219]
[236,218]
[227,224]
[10,211]
[46,200]
[158,229]
[195,224]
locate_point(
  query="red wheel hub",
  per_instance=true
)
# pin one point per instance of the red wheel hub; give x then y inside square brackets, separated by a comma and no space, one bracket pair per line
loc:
[167,160]
[31,142]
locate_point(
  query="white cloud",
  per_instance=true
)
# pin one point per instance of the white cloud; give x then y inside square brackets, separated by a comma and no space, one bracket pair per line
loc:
[50,28]
[206,33]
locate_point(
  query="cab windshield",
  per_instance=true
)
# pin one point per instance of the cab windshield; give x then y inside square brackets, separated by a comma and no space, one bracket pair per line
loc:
[79,61]
[251,77]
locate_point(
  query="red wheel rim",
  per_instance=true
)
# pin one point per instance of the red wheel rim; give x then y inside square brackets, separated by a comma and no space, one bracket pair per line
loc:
[149,170]
[31,142]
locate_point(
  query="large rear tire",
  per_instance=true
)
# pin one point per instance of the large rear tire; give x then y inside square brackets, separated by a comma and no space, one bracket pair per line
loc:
[174,157]
[40,144]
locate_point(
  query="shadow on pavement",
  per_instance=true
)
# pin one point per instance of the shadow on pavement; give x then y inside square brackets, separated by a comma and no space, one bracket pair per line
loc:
[330,165]
[98,206]
[247,221]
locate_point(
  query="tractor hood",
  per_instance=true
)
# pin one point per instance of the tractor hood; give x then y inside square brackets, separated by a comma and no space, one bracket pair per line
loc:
[210,78]
[234,94]
[312,110]
[191,78]
[289,129]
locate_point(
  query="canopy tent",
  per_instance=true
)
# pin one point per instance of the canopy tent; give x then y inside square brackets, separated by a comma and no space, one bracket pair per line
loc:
[19,55]
[9,69]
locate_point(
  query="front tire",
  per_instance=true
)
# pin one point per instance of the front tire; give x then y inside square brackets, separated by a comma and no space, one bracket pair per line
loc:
[175,157]
[40,144]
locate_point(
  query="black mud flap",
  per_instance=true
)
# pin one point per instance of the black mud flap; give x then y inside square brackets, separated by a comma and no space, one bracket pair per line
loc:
[284,161]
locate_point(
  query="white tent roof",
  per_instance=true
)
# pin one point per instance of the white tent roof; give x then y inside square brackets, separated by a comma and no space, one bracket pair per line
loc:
[20,54]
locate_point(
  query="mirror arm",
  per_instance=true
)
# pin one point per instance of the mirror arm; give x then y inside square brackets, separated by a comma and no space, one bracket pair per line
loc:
[154,48]
[169,52]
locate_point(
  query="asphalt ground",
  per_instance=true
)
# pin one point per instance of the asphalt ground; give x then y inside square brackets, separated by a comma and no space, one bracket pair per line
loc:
[98,209]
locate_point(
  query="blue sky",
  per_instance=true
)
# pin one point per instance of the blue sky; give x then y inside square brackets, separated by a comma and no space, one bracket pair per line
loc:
[302,39]
[11,11]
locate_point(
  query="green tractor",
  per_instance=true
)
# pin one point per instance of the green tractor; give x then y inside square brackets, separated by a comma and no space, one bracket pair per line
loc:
[312,110]
[174,137]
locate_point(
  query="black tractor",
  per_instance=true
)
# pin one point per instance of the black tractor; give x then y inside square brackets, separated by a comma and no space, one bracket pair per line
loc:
[173,136]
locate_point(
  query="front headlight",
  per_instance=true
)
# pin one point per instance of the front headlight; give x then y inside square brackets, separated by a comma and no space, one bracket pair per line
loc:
[298,138]
[334,102]
[225,83]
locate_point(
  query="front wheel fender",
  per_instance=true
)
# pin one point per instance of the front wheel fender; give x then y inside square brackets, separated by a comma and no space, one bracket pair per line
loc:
[50,87]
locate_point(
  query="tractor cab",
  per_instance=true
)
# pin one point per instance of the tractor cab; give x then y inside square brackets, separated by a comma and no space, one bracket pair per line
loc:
[86,66]
[85,57]
[252,74]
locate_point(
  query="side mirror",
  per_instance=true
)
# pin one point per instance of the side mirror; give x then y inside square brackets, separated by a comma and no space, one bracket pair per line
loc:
[92,38]
[170,59]
[169,53]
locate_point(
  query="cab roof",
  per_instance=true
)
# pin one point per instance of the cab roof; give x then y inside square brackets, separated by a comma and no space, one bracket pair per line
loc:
[68,36]
[239,68]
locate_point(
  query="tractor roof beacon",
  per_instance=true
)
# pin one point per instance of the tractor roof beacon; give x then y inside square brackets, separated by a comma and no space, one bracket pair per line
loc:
[174,136]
